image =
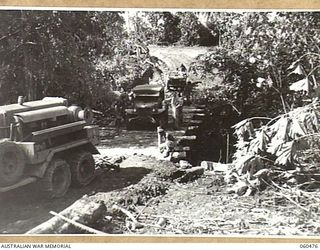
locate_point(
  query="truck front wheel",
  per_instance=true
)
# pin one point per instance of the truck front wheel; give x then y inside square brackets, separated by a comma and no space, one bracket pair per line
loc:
[82,168]
[57,179]
[12,163]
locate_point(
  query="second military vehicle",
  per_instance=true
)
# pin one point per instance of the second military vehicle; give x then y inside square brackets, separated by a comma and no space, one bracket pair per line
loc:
[148,106]
[176,80]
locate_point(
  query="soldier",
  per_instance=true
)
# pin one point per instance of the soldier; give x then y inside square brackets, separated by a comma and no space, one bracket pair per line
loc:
[177,110]
[187,91]
[166,148]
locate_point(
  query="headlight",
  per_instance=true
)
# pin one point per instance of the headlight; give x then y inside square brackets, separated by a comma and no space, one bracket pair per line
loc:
[154,110]
[134,110]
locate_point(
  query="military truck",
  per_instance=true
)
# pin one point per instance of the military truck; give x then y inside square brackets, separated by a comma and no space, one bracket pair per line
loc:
[176,81]
[46,141]
[148,106]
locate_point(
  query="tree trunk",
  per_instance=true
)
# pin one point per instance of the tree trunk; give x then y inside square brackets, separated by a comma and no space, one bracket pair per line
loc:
[82,211]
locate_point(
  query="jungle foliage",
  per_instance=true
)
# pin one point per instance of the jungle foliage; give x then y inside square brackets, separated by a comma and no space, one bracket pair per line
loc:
[79,55]
[268,61]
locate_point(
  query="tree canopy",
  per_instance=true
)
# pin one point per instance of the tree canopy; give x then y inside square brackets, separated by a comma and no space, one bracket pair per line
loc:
[54,52]
[263,56]
[82,55]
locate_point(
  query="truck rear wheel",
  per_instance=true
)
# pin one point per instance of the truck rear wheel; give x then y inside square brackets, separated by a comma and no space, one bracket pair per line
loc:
[12,163]
[82,168]
[57,179]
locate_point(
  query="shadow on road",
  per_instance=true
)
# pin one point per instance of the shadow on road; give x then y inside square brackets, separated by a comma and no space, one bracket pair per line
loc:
[22,209]
[129,138]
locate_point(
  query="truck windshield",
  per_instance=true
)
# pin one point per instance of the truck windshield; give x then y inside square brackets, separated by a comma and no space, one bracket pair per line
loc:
[146,101]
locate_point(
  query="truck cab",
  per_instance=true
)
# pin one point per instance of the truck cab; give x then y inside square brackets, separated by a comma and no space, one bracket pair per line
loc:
[148,106]
[176,81]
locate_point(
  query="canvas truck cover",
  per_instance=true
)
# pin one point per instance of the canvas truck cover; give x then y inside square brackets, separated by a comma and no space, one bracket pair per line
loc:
[147,90]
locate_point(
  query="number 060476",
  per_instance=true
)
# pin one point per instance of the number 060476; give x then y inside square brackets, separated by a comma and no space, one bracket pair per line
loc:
[309,246]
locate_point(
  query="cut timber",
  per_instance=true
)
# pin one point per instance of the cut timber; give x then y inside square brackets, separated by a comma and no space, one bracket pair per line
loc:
[201,106]
[184,164]
[192,127]
[82,211]
[199,116]
[197,169]
[181,149]
[192,130]
[191,174]
[195,110]
[177,156]
[186,140]
[195,122]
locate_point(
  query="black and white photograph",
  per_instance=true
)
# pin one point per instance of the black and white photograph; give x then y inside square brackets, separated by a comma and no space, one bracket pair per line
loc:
[165,122]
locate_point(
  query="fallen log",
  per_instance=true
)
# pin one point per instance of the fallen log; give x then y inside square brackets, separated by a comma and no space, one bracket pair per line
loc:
[82,211]
[191,174]
[77,224]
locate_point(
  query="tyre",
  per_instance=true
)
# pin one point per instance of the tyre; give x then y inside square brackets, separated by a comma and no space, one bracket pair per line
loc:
[56,180]
[12,163]
[82,167]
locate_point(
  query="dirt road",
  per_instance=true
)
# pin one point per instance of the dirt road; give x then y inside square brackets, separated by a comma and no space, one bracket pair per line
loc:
[174,56]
